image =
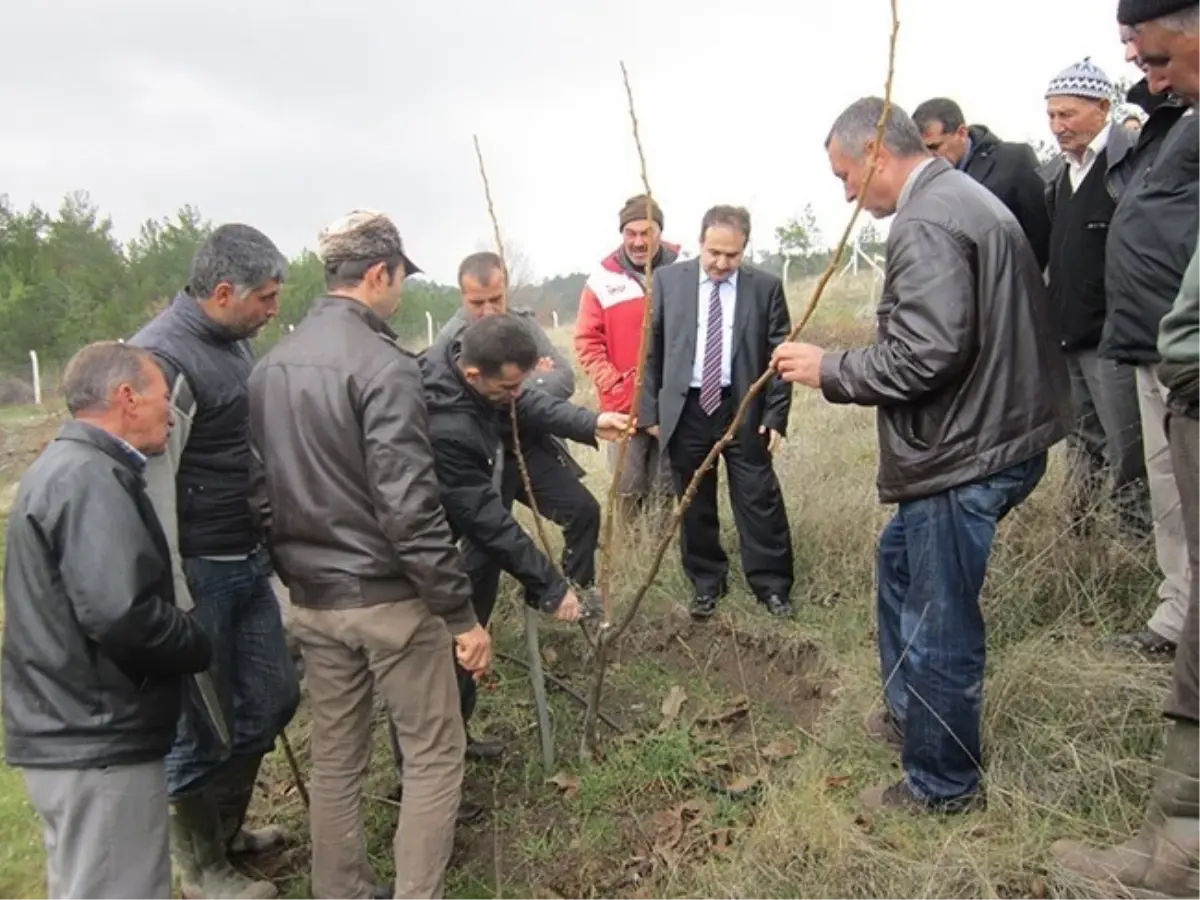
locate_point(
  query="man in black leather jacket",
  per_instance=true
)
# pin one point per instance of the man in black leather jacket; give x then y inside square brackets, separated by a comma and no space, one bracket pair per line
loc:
[95,649]
[970,391]
[468,383]
[555,477]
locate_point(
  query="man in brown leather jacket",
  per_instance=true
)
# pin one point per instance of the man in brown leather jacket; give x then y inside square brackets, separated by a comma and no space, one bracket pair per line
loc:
[344,483]
[971,391]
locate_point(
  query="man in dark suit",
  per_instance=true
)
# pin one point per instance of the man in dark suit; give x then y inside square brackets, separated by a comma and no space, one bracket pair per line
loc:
[716,323]
[1006,168]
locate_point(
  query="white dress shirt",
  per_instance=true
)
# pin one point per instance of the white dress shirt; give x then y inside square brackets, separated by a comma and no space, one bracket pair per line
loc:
[1077,169]
[728,301]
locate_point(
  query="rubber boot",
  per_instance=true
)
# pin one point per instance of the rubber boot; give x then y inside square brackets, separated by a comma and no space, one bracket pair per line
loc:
[199,846]
[233,786]
[1160,860]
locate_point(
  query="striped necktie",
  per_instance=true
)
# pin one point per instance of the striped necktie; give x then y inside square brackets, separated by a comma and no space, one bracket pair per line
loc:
[710,379]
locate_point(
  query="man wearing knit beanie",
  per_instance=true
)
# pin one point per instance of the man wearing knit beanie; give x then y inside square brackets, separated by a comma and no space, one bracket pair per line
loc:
[1107,439]
[608,335]
[1161,859]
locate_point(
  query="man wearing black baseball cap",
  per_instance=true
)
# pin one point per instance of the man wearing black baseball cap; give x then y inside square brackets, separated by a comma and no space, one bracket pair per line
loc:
[1161,859]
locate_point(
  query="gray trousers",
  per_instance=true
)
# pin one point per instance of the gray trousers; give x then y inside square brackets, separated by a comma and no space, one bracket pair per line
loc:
[1107,439]
[105,830]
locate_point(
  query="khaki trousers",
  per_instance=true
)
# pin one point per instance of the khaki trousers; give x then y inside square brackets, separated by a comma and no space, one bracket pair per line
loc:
[404,652]
[1170,540]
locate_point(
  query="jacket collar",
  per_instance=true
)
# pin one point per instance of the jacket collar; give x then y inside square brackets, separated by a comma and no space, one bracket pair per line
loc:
[187,310]
[450,355]
[919,177]
[339,304]
[118,449]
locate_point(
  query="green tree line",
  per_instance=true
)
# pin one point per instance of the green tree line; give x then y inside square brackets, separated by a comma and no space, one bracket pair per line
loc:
[65,280]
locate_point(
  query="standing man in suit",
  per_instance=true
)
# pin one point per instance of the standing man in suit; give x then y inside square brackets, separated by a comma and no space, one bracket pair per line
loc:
[716,324]
[1006,168]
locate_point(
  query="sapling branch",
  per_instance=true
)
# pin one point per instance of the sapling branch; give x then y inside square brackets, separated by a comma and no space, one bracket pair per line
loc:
[605,578]
[533,645]
[609,634]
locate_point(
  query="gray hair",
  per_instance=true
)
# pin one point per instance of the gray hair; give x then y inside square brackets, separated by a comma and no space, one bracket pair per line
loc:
[480,266]
[238,255]
[95,373]
[735,217]
[1186,21]
[858,123]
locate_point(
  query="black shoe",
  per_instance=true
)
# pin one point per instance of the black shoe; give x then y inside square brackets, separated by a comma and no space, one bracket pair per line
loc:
[384,891]
[468,812]
[1146,641]
[778,606]
[704,606]
[484,750]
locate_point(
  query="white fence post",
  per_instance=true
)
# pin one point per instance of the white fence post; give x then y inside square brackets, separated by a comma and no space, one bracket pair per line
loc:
[554,313]
[37,377]
[429,326]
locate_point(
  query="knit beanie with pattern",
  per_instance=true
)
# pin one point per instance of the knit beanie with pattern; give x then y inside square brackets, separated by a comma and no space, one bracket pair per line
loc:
[1081,79]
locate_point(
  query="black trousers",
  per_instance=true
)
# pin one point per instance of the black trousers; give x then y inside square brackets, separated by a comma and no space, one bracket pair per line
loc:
[758,509]
[561,498]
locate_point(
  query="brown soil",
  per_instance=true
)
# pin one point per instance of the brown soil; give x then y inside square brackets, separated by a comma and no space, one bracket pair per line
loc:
[783,675]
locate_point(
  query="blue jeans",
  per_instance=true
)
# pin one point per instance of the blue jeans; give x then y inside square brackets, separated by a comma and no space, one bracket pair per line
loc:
[933,557]
[255,677]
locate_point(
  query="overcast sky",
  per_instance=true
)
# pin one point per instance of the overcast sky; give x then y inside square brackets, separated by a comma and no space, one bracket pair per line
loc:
[254,111]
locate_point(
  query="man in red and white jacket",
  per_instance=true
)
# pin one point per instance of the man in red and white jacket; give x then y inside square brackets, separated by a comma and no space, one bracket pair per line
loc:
[608,334]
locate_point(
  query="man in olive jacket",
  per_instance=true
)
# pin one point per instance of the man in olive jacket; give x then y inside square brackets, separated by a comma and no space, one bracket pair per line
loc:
[970,391]
[95,650]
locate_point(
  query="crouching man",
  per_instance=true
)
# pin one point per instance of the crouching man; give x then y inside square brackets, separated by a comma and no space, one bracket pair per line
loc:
[95,650]
[345,488]
[469,382]
[970,390]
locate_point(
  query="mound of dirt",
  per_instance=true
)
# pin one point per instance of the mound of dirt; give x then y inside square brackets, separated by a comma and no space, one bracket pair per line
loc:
[783,674]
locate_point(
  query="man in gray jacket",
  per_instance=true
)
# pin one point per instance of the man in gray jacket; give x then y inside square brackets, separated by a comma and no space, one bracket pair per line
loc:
[970,390]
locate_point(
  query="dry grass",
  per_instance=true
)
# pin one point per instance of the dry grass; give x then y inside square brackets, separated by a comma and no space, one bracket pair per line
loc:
[1071,732]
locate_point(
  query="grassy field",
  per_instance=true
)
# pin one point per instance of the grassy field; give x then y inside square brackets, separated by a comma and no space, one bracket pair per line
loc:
[748,787]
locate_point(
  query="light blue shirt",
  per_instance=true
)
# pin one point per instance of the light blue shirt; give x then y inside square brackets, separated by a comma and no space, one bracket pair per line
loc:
[728,301]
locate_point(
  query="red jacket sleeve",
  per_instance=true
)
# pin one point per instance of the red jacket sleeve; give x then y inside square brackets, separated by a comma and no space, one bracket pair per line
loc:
[591,343]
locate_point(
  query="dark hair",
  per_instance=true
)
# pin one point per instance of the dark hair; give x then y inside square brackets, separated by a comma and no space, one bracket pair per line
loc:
[940,109]
[350,272]
[735,217]
[238,255]
[480,266]
[493,342]
[96,371]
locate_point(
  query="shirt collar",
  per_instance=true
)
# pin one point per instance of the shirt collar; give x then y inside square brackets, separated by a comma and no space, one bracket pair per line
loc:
[138,457]
[966,157]
[911,180]
[1093,149]
[731,280]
